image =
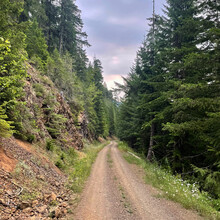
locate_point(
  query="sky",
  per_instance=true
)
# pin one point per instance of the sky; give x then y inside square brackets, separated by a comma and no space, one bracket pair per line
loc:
[116,29]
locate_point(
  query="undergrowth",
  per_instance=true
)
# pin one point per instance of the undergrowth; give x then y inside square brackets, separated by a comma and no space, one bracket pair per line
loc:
[174,188]
[82,167]
[77,165]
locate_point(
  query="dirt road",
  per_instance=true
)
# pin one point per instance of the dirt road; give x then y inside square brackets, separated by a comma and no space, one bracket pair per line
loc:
[115,190]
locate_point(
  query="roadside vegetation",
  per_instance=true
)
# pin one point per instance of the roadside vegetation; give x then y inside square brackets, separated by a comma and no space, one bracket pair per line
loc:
[76,164]
[174,187]
[83,165]
[60,61]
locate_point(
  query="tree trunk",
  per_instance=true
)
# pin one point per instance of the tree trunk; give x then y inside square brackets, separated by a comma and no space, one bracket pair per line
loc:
[62,21]
[61,40]
[151,144]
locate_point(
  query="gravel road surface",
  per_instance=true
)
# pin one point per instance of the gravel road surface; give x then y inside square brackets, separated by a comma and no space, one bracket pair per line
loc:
[116,190]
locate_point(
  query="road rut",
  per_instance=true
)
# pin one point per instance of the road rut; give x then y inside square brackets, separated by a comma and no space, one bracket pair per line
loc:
[115,191]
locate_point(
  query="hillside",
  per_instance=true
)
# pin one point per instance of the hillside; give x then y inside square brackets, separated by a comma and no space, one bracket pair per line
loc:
[53,105]
[31,184]
[46,114]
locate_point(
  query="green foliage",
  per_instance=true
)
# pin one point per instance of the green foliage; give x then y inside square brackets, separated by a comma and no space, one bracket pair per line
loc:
[31,138]
[12,57]
[60,70]
[55,124]
[171,106]
[50,145]
[28,196]
[89,95]
[99,103]
[5,128]
[42,27]
[59,164]
[39,89]
[36,44]
[10,28]
[11,74]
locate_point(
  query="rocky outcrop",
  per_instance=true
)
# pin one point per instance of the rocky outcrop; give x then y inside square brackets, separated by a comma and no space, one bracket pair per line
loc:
[46,114]
[83,126]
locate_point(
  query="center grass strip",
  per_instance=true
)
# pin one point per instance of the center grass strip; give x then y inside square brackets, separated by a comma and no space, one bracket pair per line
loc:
[174,188]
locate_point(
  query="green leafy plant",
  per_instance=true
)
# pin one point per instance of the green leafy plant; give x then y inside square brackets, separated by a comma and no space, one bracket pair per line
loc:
[39,89]
[50,145]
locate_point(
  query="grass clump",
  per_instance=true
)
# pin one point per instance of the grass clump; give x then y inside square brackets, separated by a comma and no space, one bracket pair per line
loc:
[175,188]
[77,165]
[28,196]
[50,145]
[39,89]
[82,166]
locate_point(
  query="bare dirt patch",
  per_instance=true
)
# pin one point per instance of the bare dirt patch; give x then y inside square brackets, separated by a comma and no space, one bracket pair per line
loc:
[31,186]
[24,145]
[38,154]
[7,163]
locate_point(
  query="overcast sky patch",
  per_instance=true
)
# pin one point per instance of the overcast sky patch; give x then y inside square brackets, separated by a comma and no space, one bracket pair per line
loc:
[116,29]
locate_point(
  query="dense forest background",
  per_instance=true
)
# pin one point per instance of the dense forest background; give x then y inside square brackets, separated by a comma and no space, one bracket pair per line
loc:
[48,35]
[171,109]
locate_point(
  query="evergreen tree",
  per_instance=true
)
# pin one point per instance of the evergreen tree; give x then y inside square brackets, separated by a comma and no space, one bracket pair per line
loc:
[36,44]
[71,36]
[171,96]
[12,57]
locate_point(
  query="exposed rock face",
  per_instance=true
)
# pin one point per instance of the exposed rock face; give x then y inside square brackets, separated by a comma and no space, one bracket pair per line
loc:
[47,110]
[64,109]
[31,186]
[83,124]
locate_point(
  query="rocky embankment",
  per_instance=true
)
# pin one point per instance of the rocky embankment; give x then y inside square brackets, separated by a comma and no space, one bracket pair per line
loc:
[31,186]
[46,115]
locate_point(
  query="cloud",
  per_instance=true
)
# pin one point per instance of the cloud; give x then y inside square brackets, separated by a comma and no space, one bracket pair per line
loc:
[115,30]
[115,60]
[111,79]
[128,22]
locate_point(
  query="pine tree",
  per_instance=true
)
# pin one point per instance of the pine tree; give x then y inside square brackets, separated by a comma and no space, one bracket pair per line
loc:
[71,36]
[172,94]
[36,44]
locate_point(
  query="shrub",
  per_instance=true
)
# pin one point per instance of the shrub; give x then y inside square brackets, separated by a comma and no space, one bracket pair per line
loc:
[31,138]
[50,145]
[5,128]
[39,89]
[59,164]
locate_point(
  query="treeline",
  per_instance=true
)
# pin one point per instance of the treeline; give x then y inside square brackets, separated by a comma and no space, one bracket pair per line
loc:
[171,109]
[48,34]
